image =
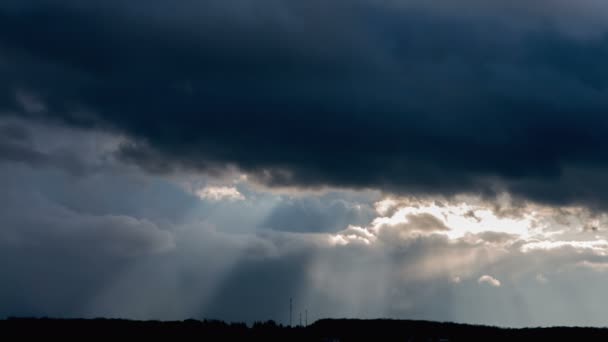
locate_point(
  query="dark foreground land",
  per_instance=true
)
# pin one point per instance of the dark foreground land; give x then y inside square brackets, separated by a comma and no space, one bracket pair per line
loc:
[323,330]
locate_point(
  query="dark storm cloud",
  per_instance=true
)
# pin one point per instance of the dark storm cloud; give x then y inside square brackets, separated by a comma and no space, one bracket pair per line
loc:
[419,98]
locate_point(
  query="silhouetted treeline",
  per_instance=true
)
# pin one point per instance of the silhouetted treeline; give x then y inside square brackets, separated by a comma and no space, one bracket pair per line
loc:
[323,330]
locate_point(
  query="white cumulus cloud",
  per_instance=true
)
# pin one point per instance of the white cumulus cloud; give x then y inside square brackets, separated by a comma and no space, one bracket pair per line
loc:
[220,193]
[486,279]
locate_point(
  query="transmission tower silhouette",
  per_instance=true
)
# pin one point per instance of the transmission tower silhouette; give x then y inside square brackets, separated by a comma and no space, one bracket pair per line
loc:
[290,312]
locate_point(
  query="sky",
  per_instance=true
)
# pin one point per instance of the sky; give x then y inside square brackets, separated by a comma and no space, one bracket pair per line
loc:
[414,159]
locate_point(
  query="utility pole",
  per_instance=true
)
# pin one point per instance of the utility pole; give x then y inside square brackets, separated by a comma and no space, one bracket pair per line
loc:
[306,312]
[290,312]
[300,318]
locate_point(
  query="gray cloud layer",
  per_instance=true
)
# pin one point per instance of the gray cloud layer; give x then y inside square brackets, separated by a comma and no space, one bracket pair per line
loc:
[117,242]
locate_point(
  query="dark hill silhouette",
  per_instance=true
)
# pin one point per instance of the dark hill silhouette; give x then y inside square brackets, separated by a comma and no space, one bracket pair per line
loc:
[322,330]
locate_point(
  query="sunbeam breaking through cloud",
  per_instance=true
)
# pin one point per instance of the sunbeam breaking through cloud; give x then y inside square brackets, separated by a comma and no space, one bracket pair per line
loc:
[213,159]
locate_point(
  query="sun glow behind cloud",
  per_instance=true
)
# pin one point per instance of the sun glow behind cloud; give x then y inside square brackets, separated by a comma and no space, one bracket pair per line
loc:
[460,217]
[533,226]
